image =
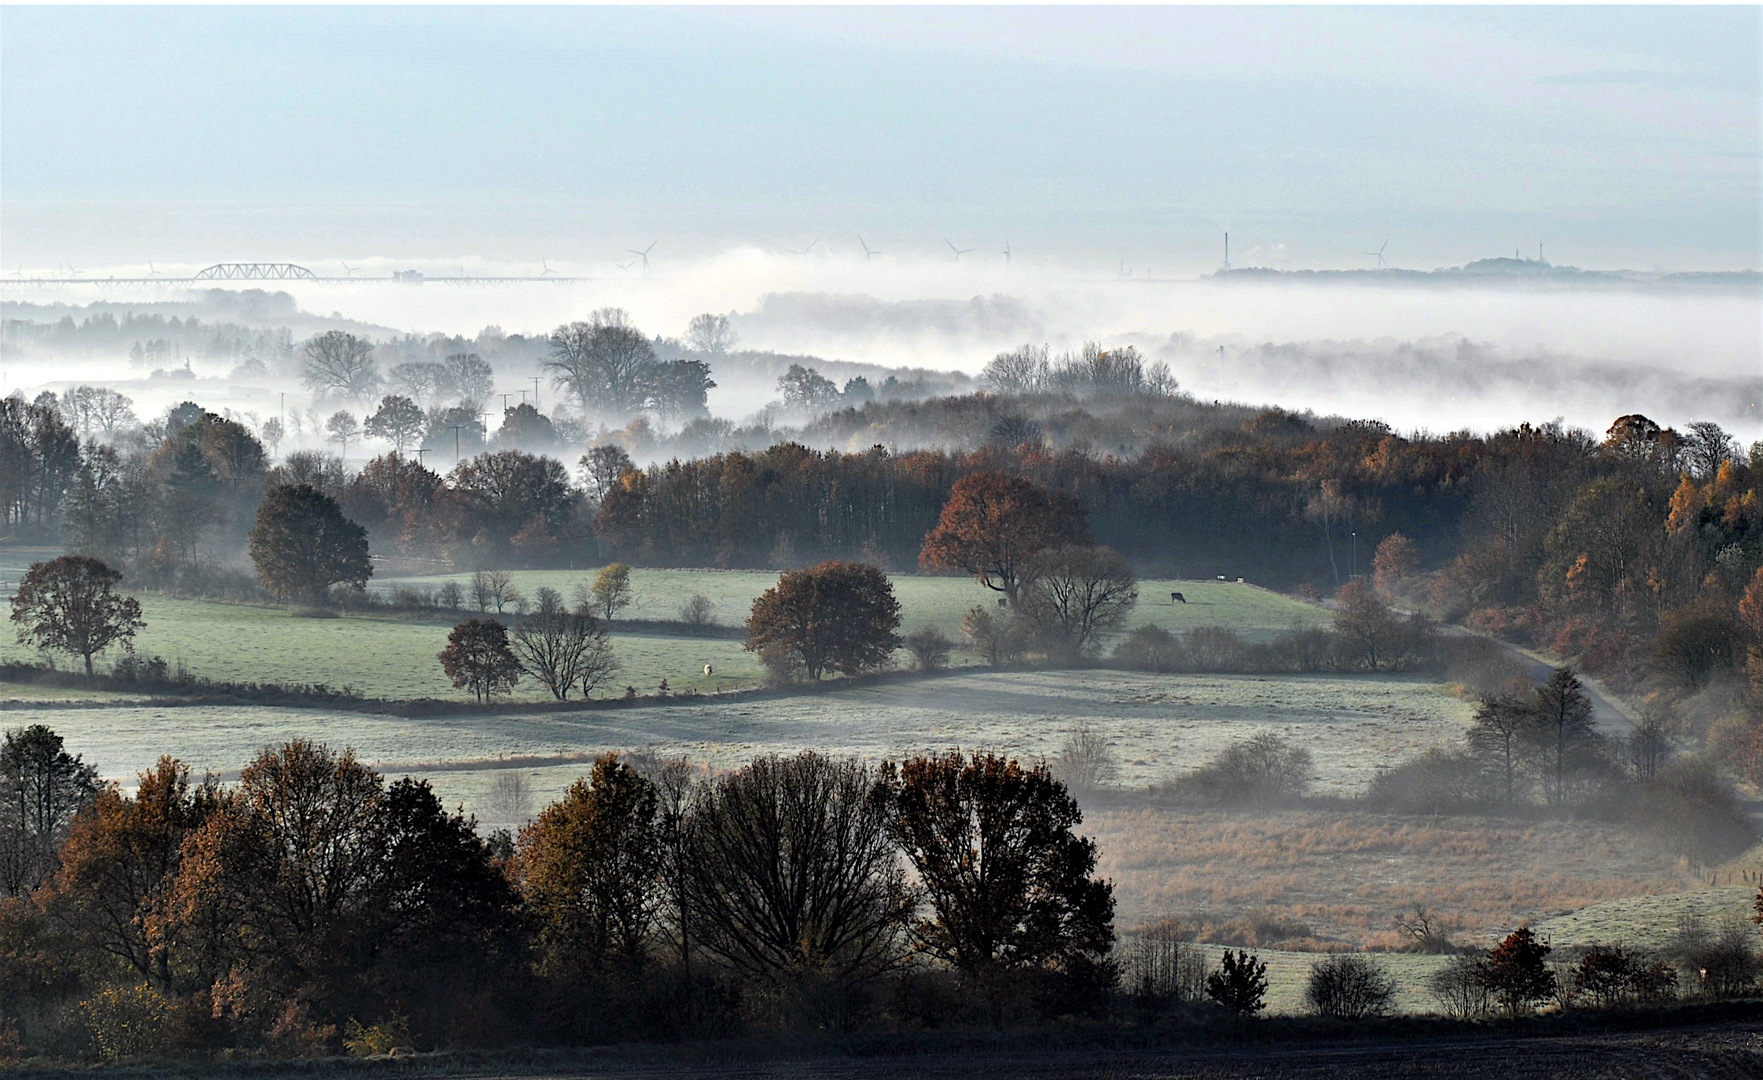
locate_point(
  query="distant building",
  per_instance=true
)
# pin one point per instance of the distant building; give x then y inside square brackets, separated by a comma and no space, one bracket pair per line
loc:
[407,277]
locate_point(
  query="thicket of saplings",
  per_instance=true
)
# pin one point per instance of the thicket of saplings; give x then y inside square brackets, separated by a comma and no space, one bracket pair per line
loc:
[313,908]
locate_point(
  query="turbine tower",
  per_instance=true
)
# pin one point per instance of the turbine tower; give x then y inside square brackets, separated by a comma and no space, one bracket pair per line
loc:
[1006,253]
[1378,254]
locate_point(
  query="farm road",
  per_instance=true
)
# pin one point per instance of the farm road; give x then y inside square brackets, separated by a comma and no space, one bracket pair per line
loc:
[1607,713]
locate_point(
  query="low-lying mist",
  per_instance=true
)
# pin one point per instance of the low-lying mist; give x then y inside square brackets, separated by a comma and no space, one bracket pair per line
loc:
[1436,357]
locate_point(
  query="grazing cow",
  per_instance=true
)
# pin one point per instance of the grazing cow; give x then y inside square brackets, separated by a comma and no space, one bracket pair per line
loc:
[708,671]
[1177,598]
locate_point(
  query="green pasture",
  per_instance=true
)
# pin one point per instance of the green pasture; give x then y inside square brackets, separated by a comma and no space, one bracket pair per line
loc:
[395,657]
[924,600]
[380,657]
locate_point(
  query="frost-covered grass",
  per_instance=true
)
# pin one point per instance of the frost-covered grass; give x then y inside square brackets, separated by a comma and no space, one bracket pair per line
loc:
[381,657]
[395,657]
[1345,874]
[925,601]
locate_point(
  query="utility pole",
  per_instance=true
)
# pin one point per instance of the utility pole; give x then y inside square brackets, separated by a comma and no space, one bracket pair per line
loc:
[505,398]
[536,380]
[1353,562]
[457,428]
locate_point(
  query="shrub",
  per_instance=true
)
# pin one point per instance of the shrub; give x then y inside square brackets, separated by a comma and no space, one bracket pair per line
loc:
[1084,763]
[698,611]
[1150,648]
[128,1021]
[1438,781]
[1460,988]
[1161,966]
[1214,649]
[378,1039]
[1347,987]
[1610,976]
[1516,973]
[999,637]
[1725,963]
[1263,771]
[1690,809]
[929,648]
[1239,983]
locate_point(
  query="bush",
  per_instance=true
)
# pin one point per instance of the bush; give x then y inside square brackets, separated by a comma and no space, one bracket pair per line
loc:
[1460,988]
[1161,966]
[1084,763]
[1239,983]
[698,611]
[1151,648]
[1609,977]
[1690,809]
[128,1021]
[1725,963]
[929,648]
[1436,782]
[1347,987]
[1215,649]
[1263,771]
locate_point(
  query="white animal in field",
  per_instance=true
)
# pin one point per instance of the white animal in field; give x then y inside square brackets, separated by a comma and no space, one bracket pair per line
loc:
[708,670]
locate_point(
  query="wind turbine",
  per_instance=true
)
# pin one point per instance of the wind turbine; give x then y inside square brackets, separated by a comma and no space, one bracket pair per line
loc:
[867,253]
[1378,254]
[20,271]
[152,271]
[626,265]
[644,254]
[793,251]
[958,251]
[348,271]
[1006,253]
[547,272]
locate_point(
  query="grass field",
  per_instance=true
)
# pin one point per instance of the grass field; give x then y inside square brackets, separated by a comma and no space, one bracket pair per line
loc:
[925,601]
[1343,875]
[392,657]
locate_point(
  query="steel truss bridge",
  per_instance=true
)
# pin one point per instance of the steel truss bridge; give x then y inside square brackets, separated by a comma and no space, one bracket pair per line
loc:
[254,272]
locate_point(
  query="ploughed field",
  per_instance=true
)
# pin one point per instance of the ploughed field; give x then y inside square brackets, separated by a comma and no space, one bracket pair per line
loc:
[393,656]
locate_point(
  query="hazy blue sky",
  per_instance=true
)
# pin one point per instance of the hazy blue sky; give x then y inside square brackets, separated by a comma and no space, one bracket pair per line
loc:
[1620,136]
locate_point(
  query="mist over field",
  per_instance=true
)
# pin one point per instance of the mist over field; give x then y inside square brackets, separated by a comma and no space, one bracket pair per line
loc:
[1433,357]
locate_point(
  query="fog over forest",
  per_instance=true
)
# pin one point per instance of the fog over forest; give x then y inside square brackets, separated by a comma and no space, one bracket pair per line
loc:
[1417,357]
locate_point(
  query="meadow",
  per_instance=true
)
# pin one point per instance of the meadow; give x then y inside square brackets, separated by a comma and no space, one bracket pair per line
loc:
[393,656]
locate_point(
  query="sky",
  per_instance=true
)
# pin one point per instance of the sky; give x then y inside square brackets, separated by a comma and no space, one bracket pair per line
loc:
[1618,137]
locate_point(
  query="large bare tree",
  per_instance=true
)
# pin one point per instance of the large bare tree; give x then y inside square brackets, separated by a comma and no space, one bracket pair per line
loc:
[340,364]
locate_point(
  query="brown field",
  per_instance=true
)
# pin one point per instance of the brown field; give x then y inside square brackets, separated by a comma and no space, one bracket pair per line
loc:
[1348,875]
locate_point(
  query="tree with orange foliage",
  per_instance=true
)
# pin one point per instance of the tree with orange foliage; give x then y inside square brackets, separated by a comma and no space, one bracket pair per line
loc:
[119,861]
[838,616]
[1396,561]
[993,524]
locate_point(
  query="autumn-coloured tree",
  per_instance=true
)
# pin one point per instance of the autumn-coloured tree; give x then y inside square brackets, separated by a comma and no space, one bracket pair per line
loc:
[120,858]
[838,616]
[70,603]
[1009,884]
[1396,560]
[591,866]
[611,590]
[993,524]
[1517,972]
[302,544]
[477,658]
